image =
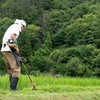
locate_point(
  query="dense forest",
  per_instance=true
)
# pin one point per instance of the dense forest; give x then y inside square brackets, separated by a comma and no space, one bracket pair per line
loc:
[61,37]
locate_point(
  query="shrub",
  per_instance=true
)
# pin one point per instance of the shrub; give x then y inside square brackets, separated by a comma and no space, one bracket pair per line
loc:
[75,67]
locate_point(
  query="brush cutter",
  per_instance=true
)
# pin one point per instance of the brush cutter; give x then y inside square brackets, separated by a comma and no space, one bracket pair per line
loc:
[22,59]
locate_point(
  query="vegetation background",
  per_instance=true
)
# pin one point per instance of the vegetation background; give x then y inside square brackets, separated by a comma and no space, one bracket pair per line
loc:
[62,37]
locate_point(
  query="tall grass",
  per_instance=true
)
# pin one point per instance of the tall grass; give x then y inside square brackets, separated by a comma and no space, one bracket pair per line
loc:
[50,83]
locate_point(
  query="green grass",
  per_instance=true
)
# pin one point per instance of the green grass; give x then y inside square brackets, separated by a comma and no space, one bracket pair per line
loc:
[52,88]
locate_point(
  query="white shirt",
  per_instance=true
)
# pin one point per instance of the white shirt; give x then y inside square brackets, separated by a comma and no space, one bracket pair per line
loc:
[16,29]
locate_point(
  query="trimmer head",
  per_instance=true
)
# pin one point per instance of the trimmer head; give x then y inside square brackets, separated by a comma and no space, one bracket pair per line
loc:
[32,84]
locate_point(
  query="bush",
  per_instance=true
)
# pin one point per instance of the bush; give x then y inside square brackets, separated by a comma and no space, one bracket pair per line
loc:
[2,63]
[35,72]
[75,67]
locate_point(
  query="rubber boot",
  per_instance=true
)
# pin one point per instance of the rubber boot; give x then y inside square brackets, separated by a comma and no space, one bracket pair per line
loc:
[13,83]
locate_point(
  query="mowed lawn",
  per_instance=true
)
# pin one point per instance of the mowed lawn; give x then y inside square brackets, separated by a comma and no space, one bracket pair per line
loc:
[30,95]
[52,88]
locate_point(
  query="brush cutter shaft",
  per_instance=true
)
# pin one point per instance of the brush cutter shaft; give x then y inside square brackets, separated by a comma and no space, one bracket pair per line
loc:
[29,76]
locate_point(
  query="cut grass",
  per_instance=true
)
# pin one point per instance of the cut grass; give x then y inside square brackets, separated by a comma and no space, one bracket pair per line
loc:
[40,95]
[52,88]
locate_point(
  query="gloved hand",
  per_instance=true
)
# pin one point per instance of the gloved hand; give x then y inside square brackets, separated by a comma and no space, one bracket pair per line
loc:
[12,45]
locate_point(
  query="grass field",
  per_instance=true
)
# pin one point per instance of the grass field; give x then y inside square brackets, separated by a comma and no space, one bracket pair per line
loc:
[52,88]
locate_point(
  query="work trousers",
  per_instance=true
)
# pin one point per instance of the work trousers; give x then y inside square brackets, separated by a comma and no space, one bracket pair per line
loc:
[11,65]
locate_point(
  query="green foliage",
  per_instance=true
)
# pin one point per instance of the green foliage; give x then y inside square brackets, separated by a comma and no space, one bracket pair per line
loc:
[75,67]
[77,60]
[24,45]
[61,37]
[2,63]
[54,55]
[40,62]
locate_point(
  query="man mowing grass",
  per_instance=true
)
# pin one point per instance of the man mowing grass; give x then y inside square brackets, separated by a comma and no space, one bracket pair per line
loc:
[10,52]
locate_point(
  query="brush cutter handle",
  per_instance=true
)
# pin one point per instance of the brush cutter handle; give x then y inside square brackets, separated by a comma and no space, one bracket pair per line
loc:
[22,59]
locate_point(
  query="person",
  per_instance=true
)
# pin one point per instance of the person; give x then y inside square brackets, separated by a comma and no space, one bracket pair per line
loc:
[10,52]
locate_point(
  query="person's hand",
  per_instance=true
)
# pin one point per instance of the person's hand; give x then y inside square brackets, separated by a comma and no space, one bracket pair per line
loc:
[17,50]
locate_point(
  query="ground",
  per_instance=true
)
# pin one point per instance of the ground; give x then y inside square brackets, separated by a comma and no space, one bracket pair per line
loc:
[42,95]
